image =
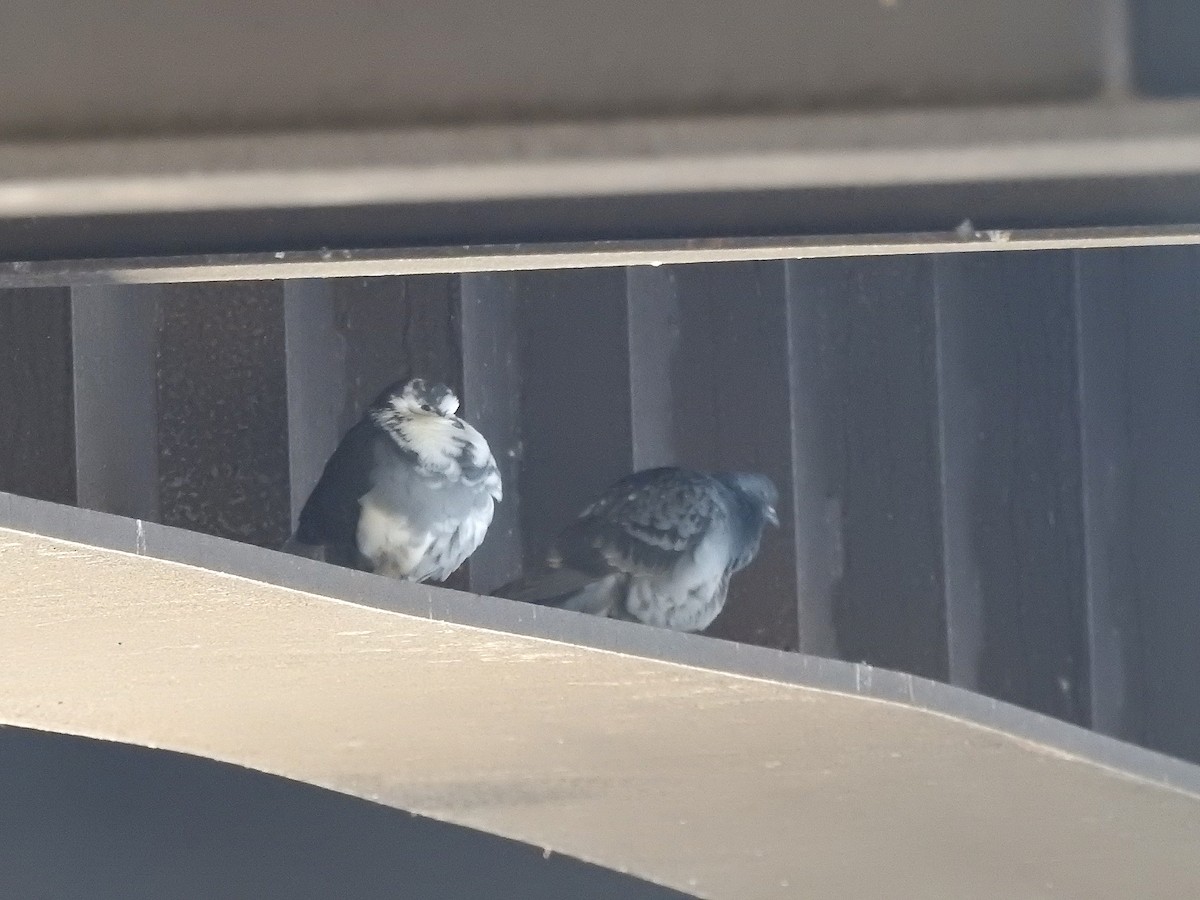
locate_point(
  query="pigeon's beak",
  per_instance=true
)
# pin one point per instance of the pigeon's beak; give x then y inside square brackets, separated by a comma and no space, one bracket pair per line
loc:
[772,516]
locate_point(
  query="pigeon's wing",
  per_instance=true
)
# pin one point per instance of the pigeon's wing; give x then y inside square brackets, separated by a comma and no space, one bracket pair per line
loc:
[330,515]
[476,464]
[644,524]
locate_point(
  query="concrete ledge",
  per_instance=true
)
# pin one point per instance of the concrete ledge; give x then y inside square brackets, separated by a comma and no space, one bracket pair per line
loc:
[713,768]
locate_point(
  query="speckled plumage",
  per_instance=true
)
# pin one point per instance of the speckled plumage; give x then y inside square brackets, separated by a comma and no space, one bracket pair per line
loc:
[658,547]
[409,493]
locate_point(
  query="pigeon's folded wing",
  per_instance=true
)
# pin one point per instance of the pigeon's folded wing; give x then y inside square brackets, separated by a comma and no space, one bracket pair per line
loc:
[476,465]
[643,525]
[330,516]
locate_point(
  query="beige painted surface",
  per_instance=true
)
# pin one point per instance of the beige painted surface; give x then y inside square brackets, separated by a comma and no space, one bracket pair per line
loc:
[715,784]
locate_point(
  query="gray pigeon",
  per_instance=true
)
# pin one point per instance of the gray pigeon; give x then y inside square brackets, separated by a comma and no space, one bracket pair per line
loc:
[657,547]
[409,492]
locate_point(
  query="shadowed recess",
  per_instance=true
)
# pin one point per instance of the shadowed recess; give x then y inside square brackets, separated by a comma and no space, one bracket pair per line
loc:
[90,819]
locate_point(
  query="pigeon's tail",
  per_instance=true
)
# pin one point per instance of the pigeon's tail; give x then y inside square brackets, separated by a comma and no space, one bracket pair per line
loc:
[600,598]
[566,589]
[543,586]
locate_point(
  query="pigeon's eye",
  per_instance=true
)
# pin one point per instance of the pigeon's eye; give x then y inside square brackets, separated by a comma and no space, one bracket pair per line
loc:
[426,407]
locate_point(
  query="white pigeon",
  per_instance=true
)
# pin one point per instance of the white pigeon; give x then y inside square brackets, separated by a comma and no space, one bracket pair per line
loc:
[409,492]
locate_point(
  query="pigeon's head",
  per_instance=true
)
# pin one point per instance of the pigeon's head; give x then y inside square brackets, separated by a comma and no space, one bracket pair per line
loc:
[419,397]
[758,490]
